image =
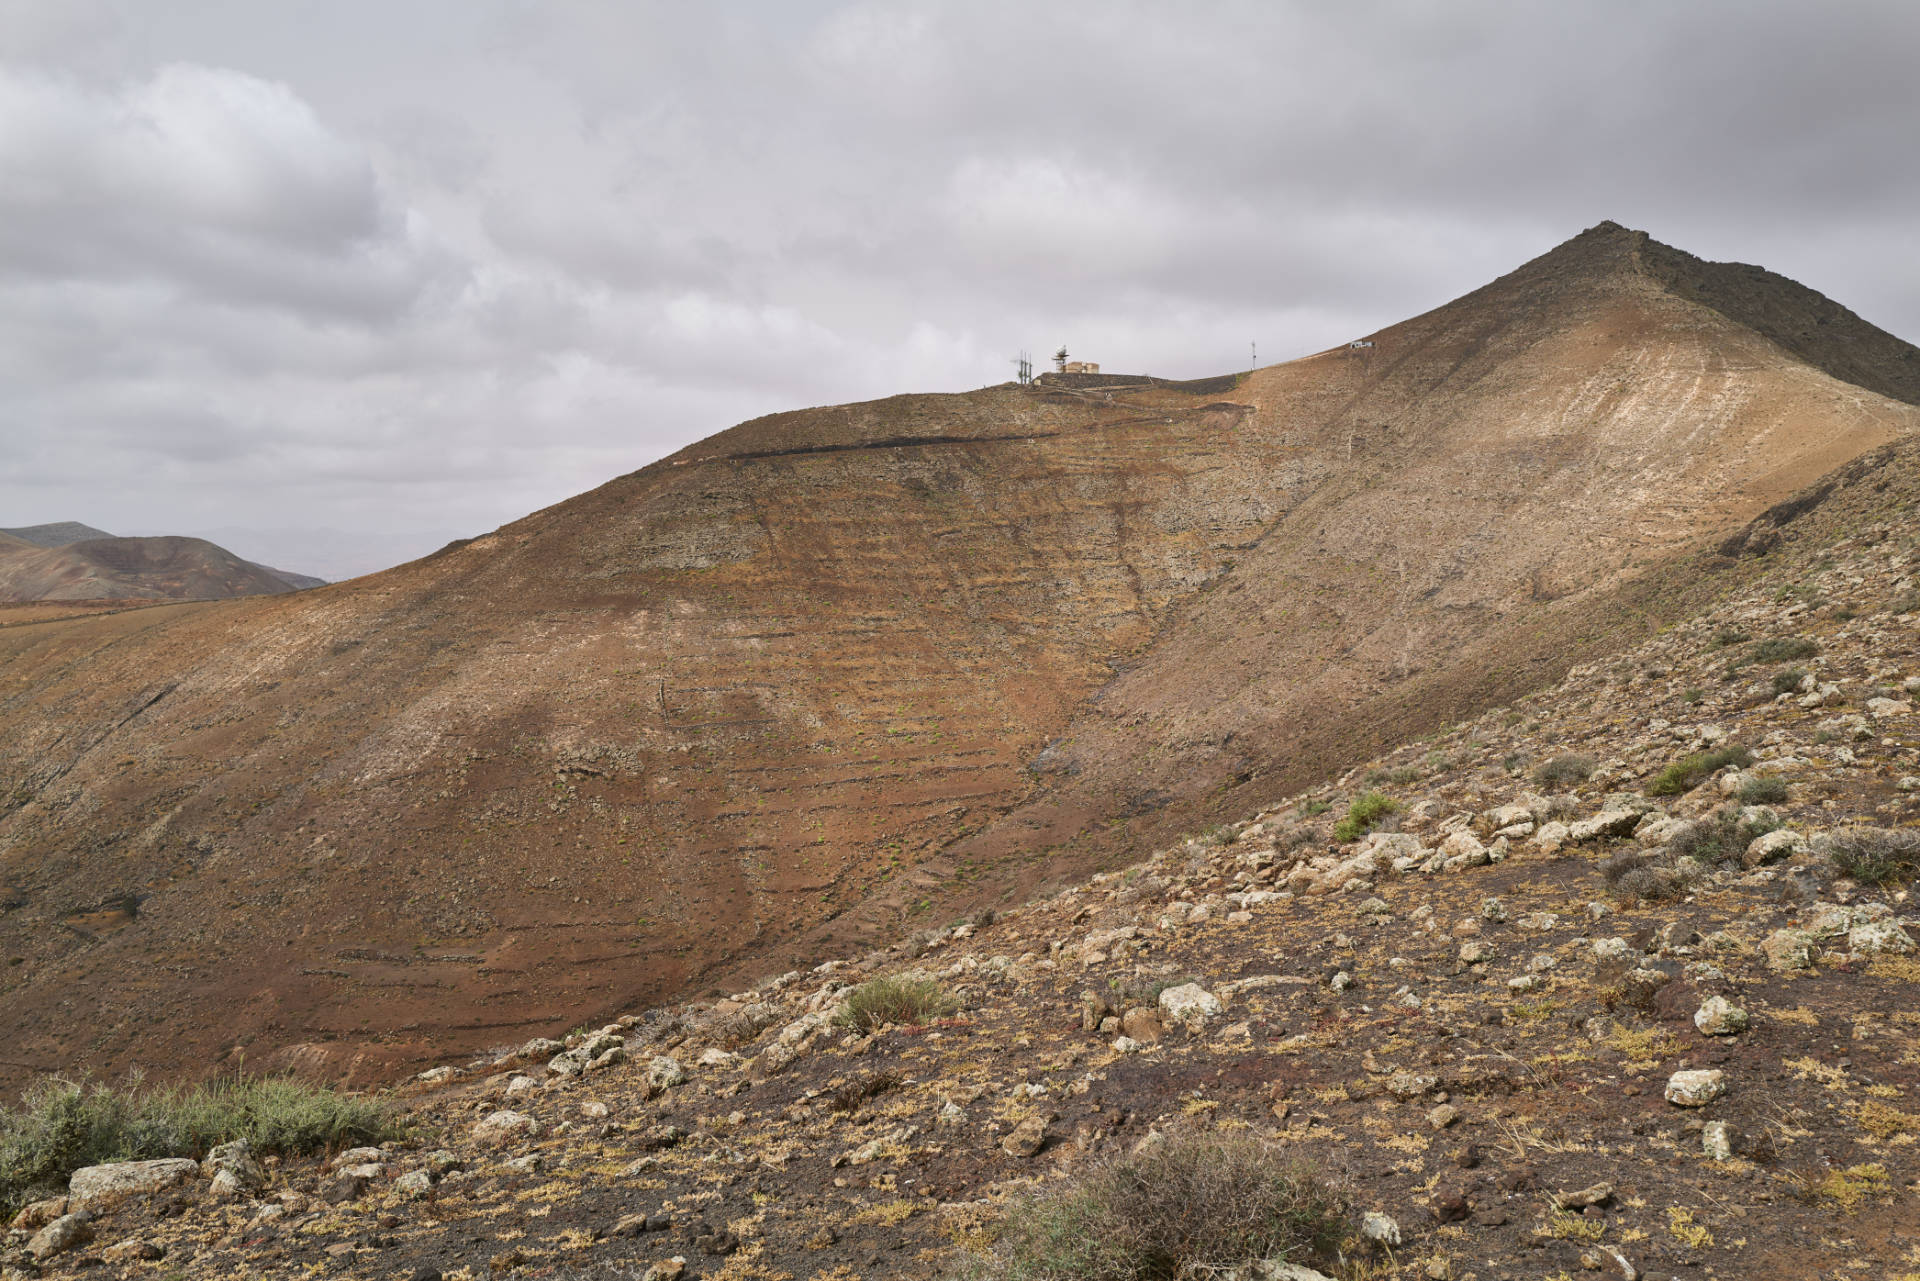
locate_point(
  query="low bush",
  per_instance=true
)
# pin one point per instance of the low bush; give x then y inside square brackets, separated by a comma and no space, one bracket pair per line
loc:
[1788,681]
[1363,815]
[1877,855]
[1632,876]
[1187,1207]
[896,1000]
[745,1024]
[1729,636]
[1762,791]
[62,1125]
[1689,772]
[1783,649]
[1721,837]
[1570,767]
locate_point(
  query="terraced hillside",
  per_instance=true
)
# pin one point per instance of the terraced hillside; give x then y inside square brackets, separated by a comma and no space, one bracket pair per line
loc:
[813,679]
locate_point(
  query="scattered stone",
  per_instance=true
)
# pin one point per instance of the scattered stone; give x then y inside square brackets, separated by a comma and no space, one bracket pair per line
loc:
[504,1126]
[1717,1016]
[1605,823]
[1789,950]
[1443,1116]
[233,1171]
[1773,847]
[1410,1085]
[1696,1088]
[1598,1194]
[665,1072]
[1142,1025]
[61,1235]
[1381,1228]
[666,1270]
[1879,936]
[1190,1003]
[1716,1140]
[1027,1137]
[39,1213]
[100,1187]
[413,1185]
[133,1250]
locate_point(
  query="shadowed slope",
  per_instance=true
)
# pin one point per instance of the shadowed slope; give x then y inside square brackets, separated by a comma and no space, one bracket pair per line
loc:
[741,705]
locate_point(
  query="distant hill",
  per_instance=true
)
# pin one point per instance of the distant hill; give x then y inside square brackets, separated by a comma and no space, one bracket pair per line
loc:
[91,564]
[58,534]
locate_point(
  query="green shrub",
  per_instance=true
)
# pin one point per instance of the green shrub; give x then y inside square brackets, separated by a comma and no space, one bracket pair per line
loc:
[896,1000]
[62,1125]
[1788,681]
[1783,649]
[1729,636]
[1722,837]
[1312,808]
[1569,767]
[1763,791]
[1401,774]
[1877,855]
[1363,814]
[1187,1207]
[1689,772]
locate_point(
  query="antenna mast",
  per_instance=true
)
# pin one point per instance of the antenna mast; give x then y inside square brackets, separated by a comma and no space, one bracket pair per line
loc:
[1026,369]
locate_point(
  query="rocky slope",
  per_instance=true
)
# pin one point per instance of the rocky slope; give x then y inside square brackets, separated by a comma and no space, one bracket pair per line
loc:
[1580,1003]
[832,673]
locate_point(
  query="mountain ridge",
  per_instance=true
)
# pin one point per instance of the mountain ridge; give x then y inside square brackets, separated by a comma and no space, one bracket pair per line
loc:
[713,717]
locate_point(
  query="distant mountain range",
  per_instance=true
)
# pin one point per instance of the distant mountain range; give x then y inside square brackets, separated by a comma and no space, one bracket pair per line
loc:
[67,560]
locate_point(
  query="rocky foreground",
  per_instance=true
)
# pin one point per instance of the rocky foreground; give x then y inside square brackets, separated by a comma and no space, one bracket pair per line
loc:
[1592,995]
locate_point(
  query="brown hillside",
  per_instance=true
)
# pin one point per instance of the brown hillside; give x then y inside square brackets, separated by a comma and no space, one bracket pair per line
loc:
[166,568]
[743,703]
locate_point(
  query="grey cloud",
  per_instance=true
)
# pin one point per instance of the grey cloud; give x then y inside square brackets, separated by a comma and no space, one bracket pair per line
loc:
[421,267]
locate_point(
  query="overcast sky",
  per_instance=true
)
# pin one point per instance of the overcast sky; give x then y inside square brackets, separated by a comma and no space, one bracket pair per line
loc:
[333,282]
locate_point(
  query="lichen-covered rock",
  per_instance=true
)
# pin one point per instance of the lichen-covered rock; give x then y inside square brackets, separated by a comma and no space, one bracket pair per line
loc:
[1789,949]
[1605,823]
[1879,936]
[504,1126]
[664,1072]
[100,1187]
[1717,1016]
[1697,1088]
[1773,847]
[232,1171]
[413,1185]
[61,1235]
[1190,1003]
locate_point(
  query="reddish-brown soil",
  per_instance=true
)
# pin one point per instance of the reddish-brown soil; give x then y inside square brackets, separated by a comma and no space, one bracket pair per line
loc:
[825,675]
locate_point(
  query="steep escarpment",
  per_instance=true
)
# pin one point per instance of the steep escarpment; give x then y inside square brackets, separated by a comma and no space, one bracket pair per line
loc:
[806,681]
